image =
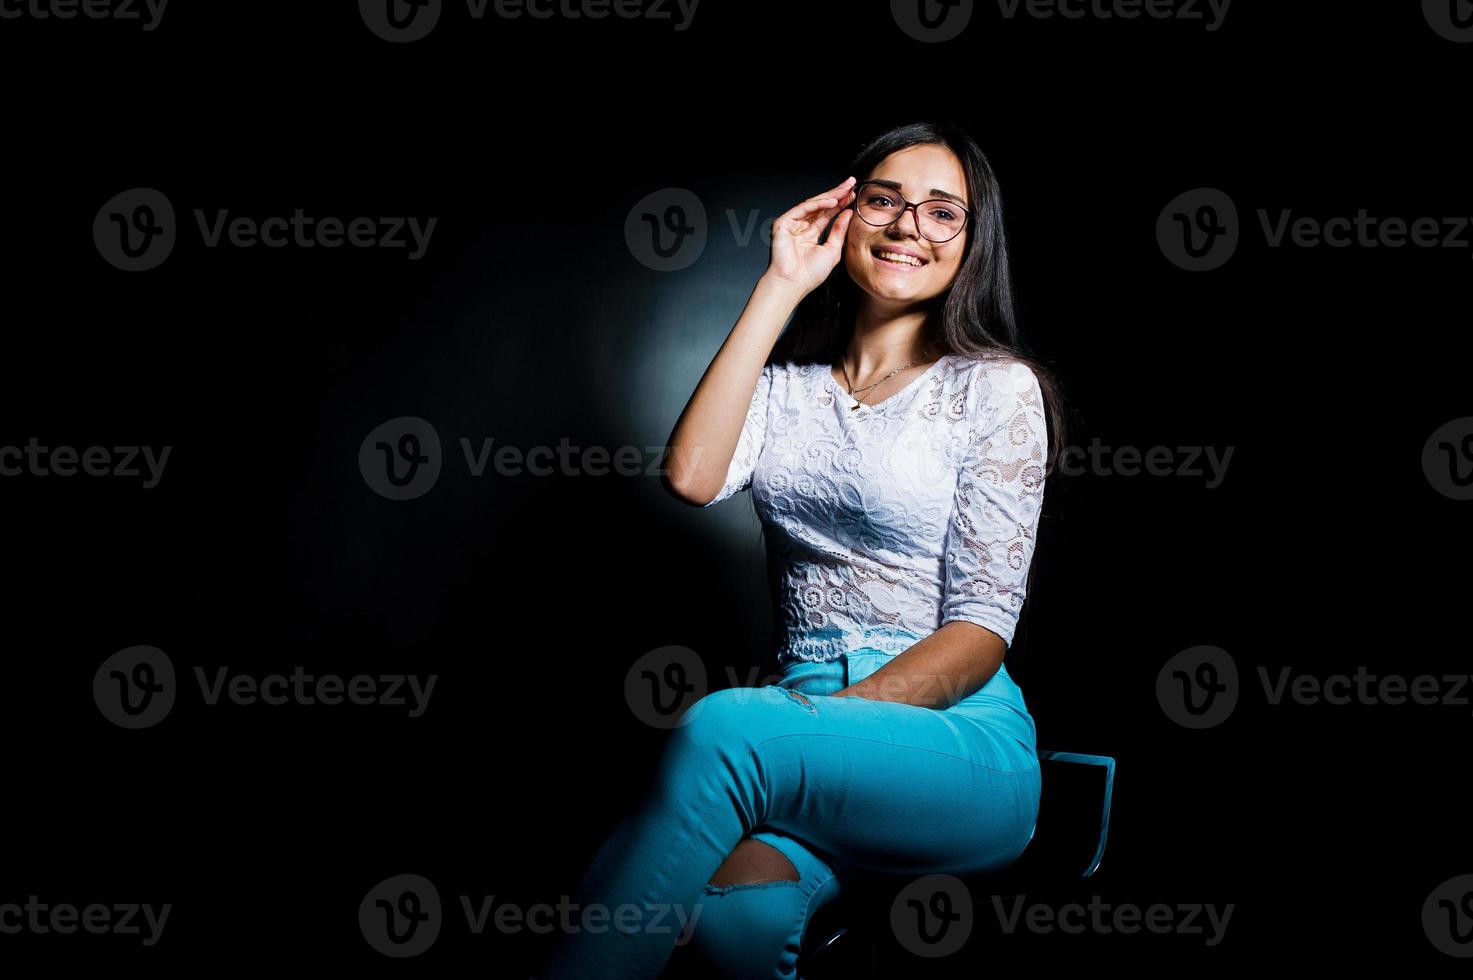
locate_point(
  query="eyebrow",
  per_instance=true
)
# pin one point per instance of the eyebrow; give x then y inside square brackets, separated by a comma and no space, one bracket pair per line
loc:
[935,191]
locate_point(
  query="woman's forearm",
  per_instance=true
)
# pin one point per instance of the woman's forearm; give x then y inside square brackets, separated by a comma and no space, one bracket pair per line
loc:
[706,435]
[942,669]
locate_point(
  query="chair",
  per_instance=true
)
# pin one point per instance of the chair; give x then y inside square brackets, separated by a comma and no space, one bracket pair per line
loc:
[843,938]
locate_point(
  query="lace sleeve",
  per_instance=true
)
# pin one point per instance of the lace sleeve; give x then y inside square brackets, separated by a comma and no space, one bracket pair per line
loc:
[999,495]
[749,446]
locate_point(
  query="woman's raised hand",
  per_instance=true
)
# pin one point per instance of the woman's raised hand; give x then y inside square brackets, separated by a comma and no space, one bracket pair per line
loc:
[797,257]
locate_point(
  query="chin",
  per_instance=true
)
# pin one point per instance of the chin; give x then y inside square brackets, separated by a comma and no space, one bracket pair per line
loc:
[898,294]
[884,289]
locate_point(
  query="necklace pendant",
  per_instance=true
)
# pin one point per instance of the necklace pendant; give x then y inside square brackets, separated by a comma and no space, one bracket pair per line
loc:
[855,406]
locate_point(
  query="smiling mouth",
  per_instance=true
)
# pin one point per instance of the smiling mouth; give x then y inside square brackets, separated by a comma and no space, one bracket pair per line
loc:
[896,258]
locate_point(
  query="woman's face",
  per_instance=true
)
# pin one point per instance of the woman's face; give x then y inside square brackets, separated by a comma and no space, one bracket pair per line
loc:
[923,172]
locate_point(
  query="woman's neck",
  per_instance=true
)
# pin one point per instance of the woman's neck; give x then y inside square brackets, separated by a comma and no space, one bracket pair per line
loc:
[884,339]
[885,347]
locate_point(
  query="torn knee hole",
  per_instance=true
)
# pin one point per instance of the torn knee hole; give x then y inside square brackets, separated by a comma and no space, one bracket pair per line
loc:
[754,862]
[745,885]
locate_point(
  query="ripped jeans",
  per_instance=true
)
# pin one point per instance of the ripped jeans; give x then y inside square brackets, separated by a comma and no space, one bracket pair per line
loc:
[831,782]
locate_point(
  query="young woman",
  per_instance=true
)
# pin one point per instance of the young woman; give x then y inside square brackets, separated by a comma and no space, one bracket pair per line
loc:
[896,441]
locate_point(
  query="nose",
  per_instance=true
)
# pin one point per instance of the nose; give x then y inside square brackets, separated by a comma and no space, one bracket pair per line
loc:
[899,223]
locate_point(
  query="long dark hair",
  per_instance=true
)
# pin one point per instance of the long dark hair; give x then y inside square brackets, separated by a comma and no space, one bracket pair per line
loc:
[977,314]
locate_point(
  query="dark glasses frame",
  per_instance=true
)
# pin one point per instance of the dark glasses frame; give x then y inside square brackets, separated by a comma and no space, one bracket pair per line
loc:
[913,208]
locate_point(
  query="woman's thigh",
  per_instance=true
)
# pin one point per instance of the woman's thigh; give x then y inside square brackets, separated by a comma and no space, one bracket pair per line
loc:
[877,784]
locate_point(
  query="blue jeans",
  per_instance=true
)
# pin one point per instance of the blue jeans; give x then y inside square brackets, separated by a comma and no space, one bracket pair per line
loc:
[833,783]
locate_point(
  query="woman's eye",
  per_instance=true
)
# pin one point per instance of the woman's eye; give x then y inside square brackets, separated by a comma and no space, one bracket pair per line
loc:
[942,214]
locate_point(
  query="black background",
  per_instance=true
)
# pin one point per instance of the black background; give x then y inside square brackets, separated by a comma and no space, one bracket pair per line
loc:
[529,321]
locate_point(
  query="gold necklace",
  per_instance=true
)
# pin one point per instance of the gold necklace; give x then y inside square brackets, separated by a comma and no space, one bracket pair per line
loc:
[850,385]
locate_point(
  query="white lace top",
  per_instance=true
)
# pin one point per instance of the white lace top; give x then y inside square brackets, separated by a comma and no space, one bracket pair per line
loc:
[888,521]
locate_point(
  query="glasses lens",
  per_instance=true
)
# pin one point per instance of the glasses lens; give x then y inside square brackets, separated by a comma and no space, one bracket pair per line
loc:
[938,221]
[877,204]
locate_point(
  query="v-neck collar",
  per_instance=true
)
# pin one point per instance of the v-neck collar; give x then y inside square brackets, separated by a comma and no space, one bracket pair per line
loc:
[848,401]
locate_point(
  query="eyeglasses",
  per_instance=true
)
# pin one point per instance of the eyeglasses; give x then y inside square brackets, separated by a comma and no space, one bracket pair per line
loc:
[878,204]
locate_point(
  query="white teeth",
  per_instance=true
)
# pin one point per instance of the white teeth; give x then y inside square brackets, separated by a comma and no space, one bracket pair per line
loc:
[898,257]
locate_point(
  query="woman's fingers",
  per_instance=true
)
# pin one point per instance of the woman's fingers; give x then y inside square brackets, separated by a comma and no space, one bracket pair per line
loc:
[837,232]
[808,207]
[808,226]
[841,200]
[841,189]
[829,200]
[833,194]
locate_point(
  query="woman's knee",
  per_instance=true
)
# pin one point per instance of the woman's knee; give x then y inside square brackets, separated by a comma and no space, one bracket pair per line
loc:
[744,930]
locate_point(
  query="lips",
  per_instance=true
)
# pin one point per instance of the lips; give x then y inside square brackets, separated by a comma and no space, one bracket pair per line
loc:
[901,258]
